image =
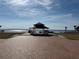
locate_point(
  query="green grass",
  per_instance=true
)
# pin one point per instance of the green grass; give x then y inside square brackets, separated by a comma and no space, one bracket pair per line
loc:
[7,35]
[71,35]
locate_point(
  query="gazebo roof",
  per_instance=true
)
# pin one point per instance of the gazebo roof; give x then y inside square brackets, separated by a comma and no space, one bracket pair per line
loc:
[40,25]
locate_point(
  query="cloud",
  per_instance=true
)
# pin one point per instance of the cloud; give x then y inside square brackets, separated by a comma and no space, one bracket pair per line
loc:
[18,2]
[41,7]
[30,7]
[44,2]
[30,13]
[48,4]
[59,17]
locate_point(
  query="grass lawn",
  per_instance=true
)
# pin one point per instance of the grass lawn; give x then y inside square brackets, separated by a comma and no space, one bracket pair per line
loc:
[71,35]
[7,35]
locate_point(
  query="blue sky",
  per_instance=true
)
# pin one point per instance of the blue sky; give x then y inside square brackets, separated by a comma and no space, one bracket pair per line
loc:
[56,14]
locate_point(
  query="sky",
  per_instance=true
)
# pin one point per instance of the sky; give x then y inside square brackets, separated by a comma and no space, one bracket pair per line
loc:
[56,14]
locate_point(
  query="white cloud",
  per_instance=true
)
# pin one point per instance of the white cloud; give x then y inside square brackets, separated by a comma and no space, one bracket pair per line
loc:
[44,2]
[23,7]
[63,20]
[18,2]
[28,7]
[30,13]
[58,17]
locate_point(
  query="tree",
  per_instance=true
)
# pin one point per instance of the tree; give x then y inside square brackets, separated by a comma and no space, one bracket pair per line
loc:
[77,28]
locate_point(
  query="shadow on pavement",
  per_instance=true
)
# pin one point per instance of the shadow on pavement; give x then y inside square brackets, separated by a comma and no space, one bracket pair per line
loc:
[48,35]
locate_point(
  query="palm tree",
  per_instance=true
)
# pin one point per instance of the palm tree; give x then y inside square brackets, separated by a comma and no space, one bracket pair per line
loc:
[75,27]
[0,27]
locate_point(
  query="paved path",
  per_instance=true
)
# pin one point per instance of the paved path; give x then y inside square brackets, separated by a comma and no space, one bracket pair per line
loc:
[37,47]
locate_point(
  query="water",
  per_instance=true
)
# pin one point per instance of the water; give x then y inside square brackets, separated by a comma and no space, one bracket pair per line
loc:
[16,31]
[50,30]
[60,31]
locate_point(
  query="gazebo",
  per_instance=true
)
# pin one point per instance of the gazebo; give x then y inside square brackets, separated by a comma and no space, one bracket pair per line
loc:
[39,28]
